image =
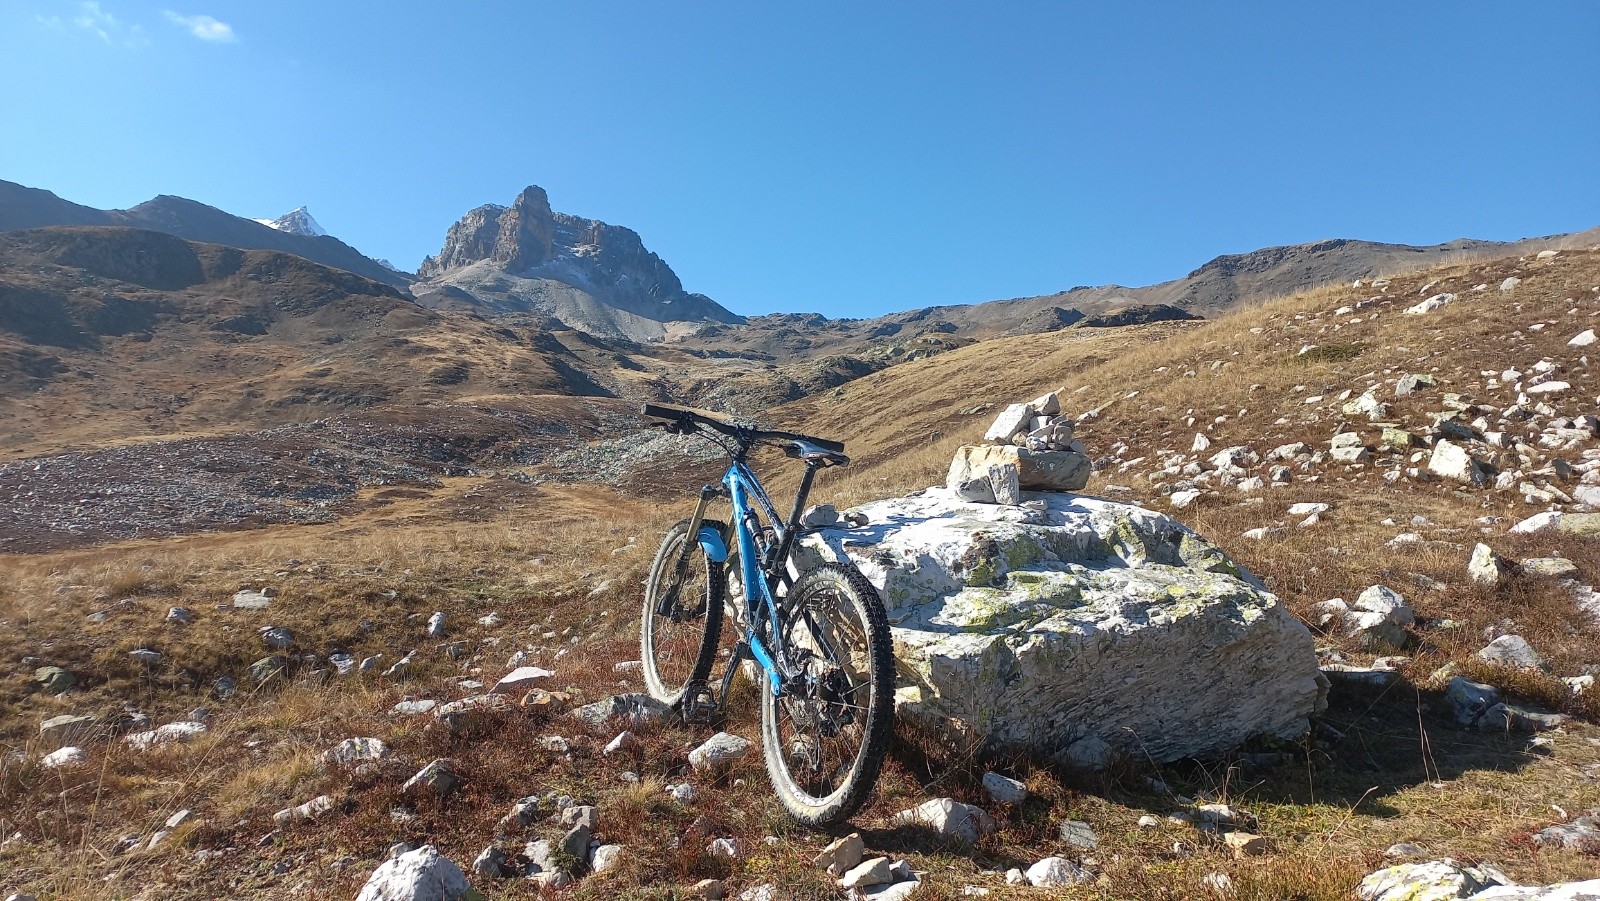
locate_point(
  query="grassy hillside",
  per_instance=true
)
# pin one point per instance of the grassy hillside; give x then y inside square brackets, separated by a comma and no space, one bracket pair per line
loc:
[550,571]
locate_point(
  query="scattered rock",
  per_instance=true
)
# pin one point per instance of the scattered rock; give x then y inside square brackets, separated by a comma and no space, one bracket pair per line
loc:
[171,733]
[875,871]
[54,680]
[719,752]
[1056,871]
[62,757]
[1003,789]
[304,813]
[606,857]
[492,863]
[1513,651]
[1452,461]
[1486,567]
[628,708]
[520,679]
[1469,700]
[438,778]
[277,638]
[1437,880]
[1550,567]
[841,855]
[1245,844]
[420,875]
[436,625]
[266,668]
[356,750]
[623,743]
[950,818]
[250,599]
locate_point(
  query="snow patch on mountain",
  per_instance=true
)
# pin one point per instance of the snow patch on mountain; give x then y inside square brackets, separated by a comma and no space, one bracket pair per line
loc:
[297,222]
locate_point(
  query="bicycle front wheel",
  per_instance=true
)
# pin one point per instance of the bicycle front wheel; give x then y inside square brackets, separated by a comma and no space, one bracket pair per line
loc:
[824,739]
[683,600]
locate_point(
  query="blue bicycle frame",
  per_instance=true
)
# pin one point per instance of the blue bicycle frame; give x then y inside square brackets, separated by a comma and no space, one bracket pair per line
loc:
[742,485]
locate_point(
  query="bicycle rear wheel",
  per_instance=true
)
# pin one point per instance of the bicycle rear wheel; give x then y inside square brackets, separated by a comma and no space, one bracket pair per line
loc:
[682,614]
[825,738]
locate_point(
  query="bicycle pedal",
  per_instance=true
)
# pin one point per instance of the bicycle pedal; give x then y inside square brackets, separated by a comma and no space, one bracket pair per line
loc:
[699,705]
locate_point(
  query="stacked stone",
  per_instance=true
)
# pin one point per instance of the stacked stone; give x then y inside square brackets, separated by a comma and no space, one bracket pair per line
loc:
[1030,447]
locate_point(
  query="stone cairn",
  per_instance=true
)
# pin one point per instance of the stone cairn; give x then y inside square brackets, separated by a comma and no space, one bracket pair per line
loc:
[1030,447]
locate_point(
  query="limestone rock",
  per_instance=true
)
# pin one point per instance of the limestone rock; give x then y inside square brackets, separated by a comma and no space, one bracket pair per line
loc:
[1012,421]
[304,813]
[1036,470]
[950,818]
[63,757]
[842,855]
[1550,567]
[1079,834]
[472,711]
[520,679]
[1245,844]
[1469,700]
[438,778]
[1437,880]
[869,872]
[54,680]
[606,857]
[1486,567]
[66,729]
[628,708]
[1010,622]
[171,733]
[1003,789]
[420,875]
[356,750]
[1513,651]
[1452,461]
[1586,890]
[719,752]
[1056,871]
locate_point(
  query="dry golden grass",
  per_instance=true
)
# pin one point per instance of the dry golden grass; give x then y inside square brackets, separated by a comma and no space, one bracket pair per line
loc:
[1399,770]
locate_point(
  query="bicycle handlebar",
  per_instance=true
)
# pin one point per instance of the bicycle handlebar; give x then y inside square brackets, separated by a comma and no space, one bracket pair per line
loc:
[683,419]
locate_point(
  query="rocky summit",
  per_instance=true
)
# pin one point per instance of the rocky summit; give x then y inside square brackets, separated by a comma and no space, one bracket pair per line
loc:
[584,273]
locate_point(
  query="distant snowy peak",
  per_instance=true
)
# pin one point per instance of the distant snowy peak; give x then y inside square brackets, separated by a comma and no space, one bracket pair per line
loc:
[296,222]
[390,266]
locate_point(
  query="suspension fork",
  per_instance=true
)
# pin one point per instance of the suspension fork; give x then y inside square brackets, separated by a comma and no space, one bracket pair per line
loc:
[680,568]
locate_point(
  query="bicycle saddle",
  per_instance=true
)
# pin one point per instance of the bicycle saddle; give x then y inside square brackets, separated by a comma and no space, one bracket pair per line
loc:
[814,455]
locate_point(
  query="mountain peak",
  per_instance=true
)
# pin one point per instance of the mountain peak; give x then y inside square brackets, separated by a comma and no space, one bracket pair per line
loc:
[590,275]
[297,221]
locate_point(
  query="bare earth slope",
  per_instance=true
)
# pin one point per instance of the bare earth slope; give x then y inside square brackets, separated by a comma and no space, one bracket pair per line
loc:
[109,333]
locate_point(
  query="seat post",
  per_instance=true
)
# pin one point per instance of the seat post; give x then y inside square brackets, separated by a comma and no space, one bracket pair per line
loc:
[793,526]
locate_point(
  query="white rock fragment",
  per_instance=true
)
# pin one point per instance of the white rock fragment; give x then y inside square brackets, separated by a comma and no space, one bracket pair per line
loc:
[719,752]
[1004,789]
[950,818]
[520,680]
[1056,871]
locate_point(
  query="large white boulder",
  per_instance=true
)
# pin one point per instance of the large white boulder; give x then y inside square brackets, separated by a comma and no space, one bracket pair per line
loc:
[420,875]
[1080,630]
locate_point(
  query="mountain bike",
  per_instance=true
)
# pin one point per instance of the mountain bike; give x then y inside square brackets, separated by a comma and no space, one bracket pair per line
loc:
[819,636]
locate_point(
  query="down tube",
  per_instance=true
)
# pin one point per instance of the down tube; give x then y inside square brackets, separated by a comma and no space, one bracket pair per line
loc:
[755,587]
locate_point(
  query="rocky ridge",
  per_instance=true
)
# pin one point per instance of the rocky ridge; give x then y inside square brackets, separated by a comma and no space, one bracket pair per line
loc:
[527,258]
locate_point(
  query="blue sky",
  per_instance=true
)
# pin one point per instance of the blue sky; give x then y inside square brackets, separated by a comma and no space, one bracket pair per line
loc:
[847,158]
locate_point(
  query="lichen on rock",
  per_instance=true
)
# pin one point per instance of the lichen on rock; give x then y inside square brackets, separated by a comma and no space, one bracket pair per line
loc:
[1077,628]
